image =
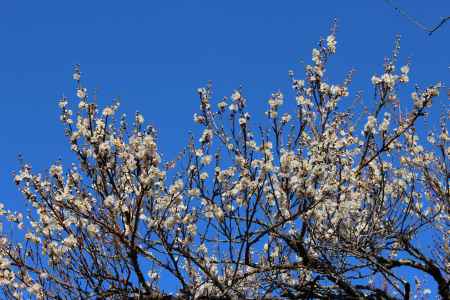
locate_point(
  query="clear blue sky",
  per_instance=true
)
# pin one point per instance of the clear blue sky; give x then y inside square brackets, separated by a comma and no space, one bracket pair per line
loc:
[155,54]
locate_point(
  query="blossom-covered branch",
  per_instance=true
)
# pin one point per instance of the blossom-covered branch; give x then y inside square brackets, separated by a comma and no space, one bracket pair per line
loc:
[313,204]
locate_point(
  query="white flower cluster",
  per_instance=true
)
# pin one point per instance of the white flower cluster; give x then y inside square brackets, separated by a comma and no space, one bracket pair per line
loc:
[294,206]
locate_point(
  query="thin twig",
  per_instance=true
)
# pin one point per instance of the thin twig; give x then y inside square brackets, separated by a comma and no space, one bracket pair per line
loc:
[413,20]
[444,20]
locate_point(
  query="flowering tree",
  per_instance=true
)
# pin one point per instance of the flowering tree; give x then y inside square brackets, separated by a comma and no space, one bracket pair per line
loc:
[314,205]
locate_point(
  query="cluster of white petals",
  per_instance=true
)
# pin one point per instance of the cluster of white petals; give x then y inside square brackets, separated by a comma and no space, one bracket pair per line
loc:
[315,205]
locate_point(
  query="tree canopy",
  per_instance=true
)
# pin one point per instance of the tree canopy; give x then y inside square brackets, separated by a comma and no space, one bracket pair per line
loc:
[325,200]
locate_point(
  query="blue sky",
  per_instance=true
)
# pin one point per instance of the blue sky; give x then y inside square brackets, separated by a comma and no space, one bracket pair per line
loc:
[155,54]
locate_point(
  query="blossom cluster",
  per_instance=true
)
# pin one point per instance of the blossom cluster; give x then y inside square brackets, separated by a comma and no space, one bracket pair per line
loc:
[305,207]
